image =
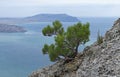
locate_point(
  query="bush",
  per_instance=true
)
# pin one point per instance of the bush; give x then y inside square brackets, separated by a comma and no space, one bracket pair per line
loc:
[99,39]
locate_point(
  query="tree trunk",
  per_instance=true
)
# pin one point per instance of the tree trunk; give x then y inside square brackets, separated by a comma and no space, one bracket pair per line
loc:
[75,50]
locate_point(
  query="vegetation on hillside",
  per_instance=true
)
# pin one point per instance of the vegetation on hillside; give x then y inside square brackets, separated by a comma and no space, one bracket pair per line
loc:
[99,39]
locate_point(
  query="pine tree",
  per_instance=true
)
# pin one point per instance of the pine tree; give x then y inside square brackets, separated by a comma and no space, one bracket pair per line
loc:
[66,43]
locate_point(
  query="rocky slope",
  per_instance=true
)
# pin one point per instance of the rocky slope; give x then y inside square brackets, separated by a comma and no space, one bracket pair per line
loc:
[4,28]
[95,61]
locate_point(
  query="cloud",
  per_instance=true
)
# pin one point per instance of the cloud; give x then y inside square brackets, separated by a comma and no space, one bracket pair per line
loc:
[54,2]
[80,8]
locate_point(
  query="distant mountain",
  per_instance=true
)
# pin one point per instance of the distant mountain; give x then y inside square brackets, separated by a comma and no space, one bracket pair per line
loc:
[52,17]
[41,18]
[4,28]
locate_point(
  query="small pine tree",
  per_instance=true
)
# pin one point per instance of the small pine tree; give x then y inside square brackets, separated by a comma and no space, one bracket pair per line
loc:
[66,43]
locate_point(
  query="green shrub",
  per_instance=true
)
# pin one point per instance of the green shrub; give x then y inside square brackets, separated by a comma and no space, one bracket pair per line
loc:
[99,39]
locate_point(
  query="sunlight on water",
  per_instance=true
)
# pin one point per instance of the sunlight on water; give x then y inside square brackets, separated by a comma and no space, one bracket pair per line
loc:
[31,32]
[9,37]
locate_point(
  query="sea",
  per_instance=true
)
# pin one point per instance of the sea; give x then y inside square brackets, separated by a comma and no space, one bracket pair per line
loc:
[21,53]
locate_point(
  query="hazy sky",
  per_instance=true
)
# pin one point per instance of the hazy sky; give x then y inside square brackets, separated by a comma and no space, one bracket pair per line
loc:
[79,8]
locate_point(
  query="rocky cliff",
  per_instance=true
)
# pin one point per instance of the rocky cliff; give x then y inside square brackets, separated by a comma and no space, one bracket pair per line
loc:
[95,61]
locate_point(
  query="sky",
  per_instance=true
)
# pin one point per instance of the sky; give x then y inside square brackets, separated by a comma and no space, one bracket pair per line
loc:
[78,8]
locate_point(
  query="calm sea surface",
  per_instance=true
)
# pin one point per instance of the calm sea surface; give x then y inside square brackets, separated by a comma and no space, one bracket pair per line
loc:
[20,53]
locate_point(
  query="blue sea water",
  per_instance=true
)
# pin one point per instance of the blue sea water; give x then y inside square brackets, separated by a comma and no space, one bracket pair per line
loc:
[20,53]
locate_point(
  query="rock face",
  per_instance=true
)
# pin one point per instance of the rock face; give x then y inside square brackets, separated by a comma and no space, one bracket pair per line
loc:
[95,61]
[4,28]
